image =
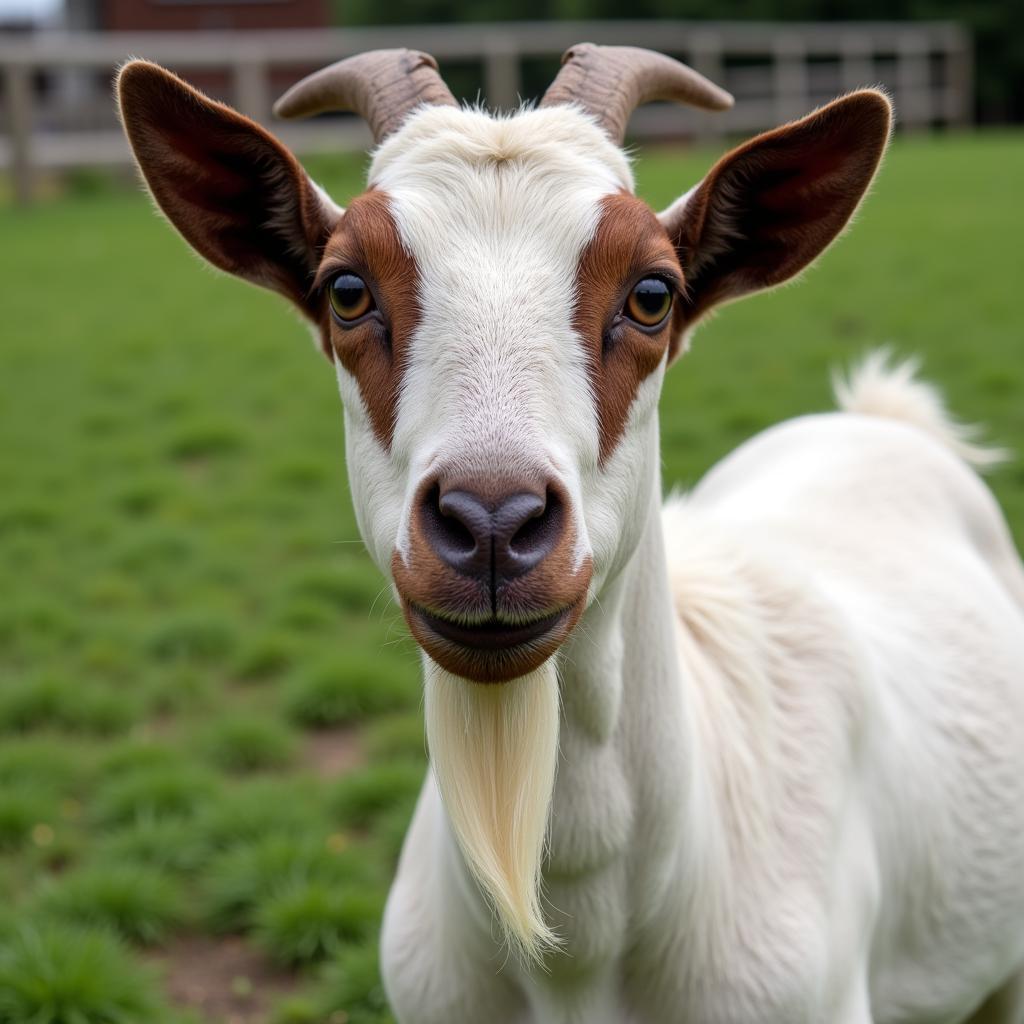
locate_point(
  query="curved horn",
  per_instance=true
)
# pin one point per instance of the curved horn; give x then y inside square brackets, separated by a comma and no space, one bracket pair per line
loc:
[610,82]
[383,86]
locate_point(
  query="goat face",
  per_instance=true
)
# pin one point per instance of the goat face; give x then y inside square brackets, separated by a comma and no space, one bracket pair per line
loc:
[500,310]
[491,461]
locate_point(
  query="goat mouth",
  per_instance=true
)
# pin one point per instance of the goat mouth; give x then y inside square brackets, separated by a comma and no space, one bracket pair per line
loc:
[491,651]
[492,634]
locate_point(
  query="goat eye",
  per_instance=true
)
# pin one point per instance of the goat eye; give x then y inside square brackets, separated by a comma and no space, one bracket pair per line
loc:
[350,298]
[649,302]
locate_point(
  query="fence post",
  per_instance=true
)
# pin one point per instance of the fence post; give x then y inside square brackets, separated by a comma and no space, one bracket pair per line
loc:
[856,64]
[249,84]
[792,94]
[959,106]
[502,82]
[706,57]
[912,92]
[18,90]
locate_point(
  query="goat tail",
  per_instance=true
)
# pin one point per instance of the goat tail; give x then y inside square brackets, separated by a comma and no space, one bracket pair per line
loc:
[881,386]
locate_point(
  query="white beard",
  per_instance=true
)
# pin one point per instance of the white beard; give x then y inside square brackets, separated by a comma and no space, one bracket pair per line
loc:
[494,750]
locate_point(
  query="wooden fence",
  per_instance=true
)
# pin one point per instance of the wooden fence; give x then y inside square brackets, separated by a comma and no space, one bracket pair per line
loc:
[57,110]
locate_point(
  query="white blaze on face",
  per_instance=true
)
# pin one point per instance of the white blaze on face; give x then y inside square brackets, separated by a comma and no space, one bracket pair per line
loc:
[494,749]
[496,214]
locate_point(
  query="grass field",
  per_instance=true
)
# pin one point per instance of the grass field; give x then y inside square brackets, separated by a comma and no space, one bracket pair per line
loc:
[209,710]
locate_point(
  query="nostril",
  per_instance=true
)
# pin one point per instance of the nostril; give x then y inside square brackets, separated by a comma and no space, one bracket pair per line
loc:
[444,525]
[540,532]
[457,525]
[491,539]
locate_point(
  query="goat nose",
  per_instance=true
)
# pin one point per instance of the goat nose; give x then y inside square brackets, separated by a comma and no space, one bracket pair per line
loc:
[496,539]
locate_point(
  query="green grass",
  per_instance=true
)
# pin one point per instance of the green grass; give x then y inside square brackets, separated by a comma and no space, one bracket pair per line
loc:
[139,903]
[60,974]
[187,615]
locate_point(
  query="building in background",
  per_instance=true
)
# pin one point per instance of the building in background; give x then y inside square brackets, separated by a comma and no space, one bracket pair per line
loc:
[196,15]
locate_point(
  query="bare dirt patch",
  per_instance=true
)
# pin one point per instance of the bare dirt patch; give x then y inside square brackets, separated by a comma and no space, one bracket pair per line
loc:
[225,979]
[331,753]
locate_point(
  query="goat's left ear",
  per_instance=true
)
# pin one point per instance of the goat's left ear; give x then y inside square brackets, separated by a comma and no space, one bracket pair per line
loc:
[768,208]
[235,193]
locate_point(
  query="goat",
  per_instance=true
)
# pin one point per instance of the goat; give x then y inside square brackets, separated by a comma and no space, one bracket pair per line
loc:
[756,756]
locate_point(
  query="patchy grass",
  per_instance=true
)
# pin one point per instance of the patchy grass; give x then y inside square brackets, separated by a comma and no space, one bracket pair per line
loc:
[248,743]
[61,974]
[189,624]
[344,690]
[139,903]
[241,879]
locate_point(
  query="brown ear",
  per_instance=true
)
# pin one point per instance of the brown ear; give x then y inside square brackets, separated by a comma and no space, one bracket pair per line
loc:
[768,208]
[236,194]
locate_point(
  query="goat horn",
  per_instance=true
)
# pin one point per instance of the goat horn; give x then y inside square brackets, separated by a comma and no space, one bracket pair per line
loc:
[610,82]
[383,86]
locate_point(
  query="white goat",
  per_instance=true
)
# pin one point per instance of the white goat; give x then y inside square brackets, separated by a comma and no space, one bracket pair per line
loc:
[786,712]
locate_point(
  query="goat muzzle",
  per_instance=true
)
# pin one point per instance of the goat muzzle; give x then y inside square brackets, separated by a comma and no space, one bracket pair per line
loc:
[491,583]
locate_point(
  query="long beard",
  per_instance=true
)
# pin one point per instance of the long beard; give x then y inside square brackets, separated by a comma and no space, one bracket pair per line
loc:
[494,749]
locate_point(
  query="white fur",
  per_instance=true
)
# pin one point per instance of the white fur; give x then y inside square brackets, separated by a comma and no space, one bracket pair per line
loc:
[790,784]
[494,753]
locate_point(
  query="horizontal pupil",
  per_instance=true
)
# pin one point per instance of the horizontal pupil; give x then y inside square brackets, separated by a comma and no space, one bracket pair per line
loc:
[651,296]
[348,288]
[348,296]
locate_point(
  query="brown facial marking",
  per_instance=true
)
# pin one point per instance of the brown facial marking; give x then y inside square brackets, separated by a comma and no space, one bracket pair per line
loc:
[557,587]
[374,350]
[629,244]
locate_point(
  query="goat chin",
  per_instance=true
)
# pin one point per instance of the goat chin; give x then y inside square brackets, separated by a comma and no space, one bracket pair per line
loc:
[494,750]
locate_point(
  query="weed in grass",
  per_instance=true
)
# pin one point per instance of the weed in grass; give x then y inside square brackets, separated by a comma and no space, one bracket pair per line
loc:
[105,656]
[153,550]
[350,587]
[31,625]
[349,991]
[198,637]
[56,702]
[42,761]
[133,755]
[141,498]
[307,921]
[24,810]
[344,690]
[154,792]
[361,797]
[141,904]
[300,474]
[181,688]
[261,809]
[52,973]
[248,743]
[204,438]
[30,516]
[264,659]
[304,615]
[241,879]
[396,736]
[168,844]
[351,984]
[389,831]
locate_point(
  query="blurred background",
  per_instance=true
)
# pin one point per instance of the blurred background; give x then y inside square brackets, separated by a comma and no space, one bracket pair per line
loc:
[210,735]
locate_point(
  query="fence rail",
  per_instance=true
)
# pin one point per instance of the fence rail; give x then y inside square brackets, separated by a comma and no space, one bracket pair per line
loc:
[57,111]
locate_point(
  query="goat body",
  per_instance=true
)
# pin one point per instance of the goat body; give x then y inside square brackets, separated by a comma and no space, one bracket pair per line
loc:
[791,782]
[754,757]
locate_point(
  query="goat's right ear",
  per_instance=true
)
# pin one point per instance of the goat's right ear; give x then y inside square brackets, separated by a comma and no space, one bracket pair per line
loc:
[770,207]
[235,193]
